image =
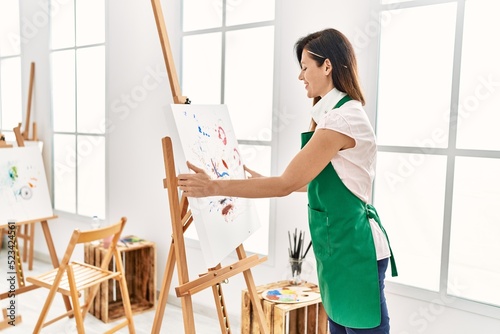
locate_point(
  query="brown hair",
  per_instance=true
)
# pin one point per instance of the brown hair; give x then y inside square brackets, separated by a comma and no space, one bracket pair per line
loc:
[332,44]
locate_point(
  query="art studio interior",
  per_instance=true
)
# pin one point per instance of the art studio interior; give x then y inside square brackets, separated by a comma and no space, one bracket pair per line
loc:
[102,102]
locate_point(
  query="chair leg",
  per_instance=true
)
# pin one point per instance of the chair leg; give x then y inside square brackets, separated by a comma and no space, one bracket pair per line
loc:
[126,304]
[77,312]
[89,299]
[46,306]
[124,291]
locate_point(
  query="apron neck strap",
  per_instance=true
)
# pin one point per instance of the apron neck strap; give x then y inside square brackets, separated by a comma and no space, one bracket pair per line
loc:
[342,101]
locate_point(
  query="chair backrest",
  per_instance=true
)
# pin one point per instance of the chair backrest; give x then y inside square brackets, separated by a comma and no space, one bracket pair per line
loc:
[79,237]
[101,233]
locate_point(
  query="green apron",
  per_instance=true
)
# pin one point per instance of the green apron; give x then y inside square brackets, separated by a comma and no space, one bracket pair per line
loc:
[344,249]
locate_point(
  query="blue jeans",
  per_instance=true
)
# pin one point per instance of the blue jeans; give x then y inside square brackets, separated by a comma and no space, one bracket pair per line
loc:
[384,327]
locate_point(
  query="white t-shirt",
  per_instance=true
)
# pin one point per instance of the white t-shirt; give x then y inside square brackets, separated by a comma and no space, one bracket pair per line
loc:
[355,166]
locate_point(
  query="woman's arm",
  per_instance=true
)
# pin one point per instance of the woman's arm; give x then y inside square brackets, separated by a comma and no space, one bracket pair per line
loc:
[255,174]
[304,167]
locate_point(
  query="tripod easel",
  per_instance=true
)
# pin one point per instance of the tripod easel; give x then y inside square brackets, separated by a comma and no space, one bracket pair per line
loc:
[26,131]
[181,219]
[14,231]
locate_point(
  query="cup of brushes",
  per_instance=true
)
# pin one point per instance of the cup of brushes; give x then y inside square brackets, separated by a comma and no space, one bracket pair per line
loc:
[297,252]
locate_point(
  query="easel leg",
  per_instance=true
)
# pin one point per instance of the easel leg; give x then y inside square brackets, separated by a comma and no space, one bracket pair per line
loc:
[30,245]
[8,322]
[220,305]
[13,319]
[252,291]
[165,288]
[25,241]
[188,315]
[18,262]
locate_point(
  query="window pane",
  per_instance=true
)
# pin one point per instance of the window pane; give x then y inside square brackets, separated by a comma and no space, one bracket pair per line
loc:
[90,19]
[10,40]
[202,89]
[62,24]
[479,103]
[63,90]
[474,270]
[91,102]
[258,158]
[91,176]
[415,76]
[410,190]
[10,92]
[65,162]
[201,14]
[249,89]
[241,12]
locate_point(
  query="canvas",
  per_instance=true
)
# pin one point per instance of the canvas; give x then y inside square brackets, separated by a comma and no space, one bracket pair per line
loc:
[208,141]
[24,194]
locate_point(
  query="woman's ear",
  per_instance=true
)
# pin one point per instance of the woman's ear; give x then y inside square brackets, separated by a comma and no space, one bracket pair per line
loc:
[328,66]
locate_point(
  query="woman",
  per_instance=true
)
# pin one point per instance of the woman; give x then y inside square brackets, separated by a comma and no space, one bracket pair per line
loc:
[336,164]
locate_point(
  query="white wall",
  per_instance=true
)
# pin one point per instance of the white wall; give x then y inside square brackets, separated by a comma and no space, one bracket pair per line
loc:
[138,99]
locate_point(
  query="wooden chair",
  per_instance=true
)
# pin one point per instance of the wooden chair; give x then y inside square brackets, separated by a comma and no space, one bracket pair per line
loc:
[72,277]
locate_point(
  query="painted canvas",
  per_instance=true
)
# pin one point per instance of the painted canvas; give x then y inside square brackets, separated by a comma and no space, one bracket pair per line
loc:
[208,141]
[24,194]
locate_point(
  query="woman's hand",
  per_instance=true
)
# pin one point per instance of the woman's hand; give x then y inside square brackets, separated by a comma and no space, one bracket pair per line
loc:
[195,185]
[251,172]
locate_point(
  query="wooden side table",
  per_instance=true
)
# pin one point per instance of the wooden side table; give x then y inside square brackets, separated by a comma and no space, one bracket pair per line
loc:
[299,318]
[139,261]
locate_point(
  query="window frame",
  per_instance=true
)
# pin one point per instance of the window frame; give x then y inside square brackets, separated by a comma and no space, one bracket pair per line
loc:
[273,143]
[76,133]
[5,131]
[441,297]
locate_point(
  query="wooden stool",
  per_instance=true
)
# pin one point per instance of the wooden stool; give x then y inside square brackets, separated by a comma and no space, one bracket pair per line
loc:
[301,318]
[139,260]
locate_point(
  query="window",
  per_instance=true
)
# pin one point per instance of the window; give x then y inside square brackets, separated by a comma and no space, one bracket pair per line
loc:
[78,106]
[437,182]
[228,58]
[10,68]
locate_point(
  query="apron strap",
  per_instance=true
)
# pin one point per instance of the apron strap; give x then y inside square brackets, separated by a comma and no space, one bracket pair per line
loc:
[372,213]
[342,101]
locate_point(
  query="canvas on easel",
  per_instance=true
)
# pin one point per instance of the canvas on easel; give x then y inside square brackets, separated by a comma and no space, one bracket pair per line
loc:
[208,141]
[24,193]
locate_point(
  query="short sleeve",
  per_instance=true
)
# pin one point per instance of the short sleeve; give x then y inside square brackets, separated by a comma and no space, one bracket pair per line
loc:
[335,121]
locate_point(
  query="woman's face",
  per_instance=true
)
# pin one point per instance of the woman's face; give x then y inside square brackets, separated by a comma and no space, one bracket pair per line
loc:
[317,79]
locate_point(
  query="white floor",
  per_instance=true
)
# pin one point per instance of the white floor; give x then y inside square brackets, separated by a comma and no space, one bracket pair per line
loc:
[30,303]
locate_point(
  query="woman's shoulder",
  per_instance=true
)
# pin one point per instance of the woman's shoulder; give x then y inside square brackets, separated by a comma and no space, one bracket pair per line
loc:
[349,118]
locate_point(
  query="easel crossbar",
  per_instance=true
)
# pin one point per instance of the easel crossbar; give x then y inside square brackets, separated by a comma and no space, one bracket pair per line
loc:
[216,276]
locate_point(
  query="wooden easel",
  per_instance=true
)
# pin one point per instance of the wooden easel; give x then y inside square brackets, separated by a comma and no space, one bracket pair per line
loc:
[26,131]
[181,219]
[28,236]
[3,143]
[6,322]
[25,232]
[21,137]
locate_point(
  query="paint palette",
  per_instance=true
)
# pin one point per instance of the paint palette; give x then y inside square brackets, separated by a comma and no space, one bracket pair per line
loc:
[290,295]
